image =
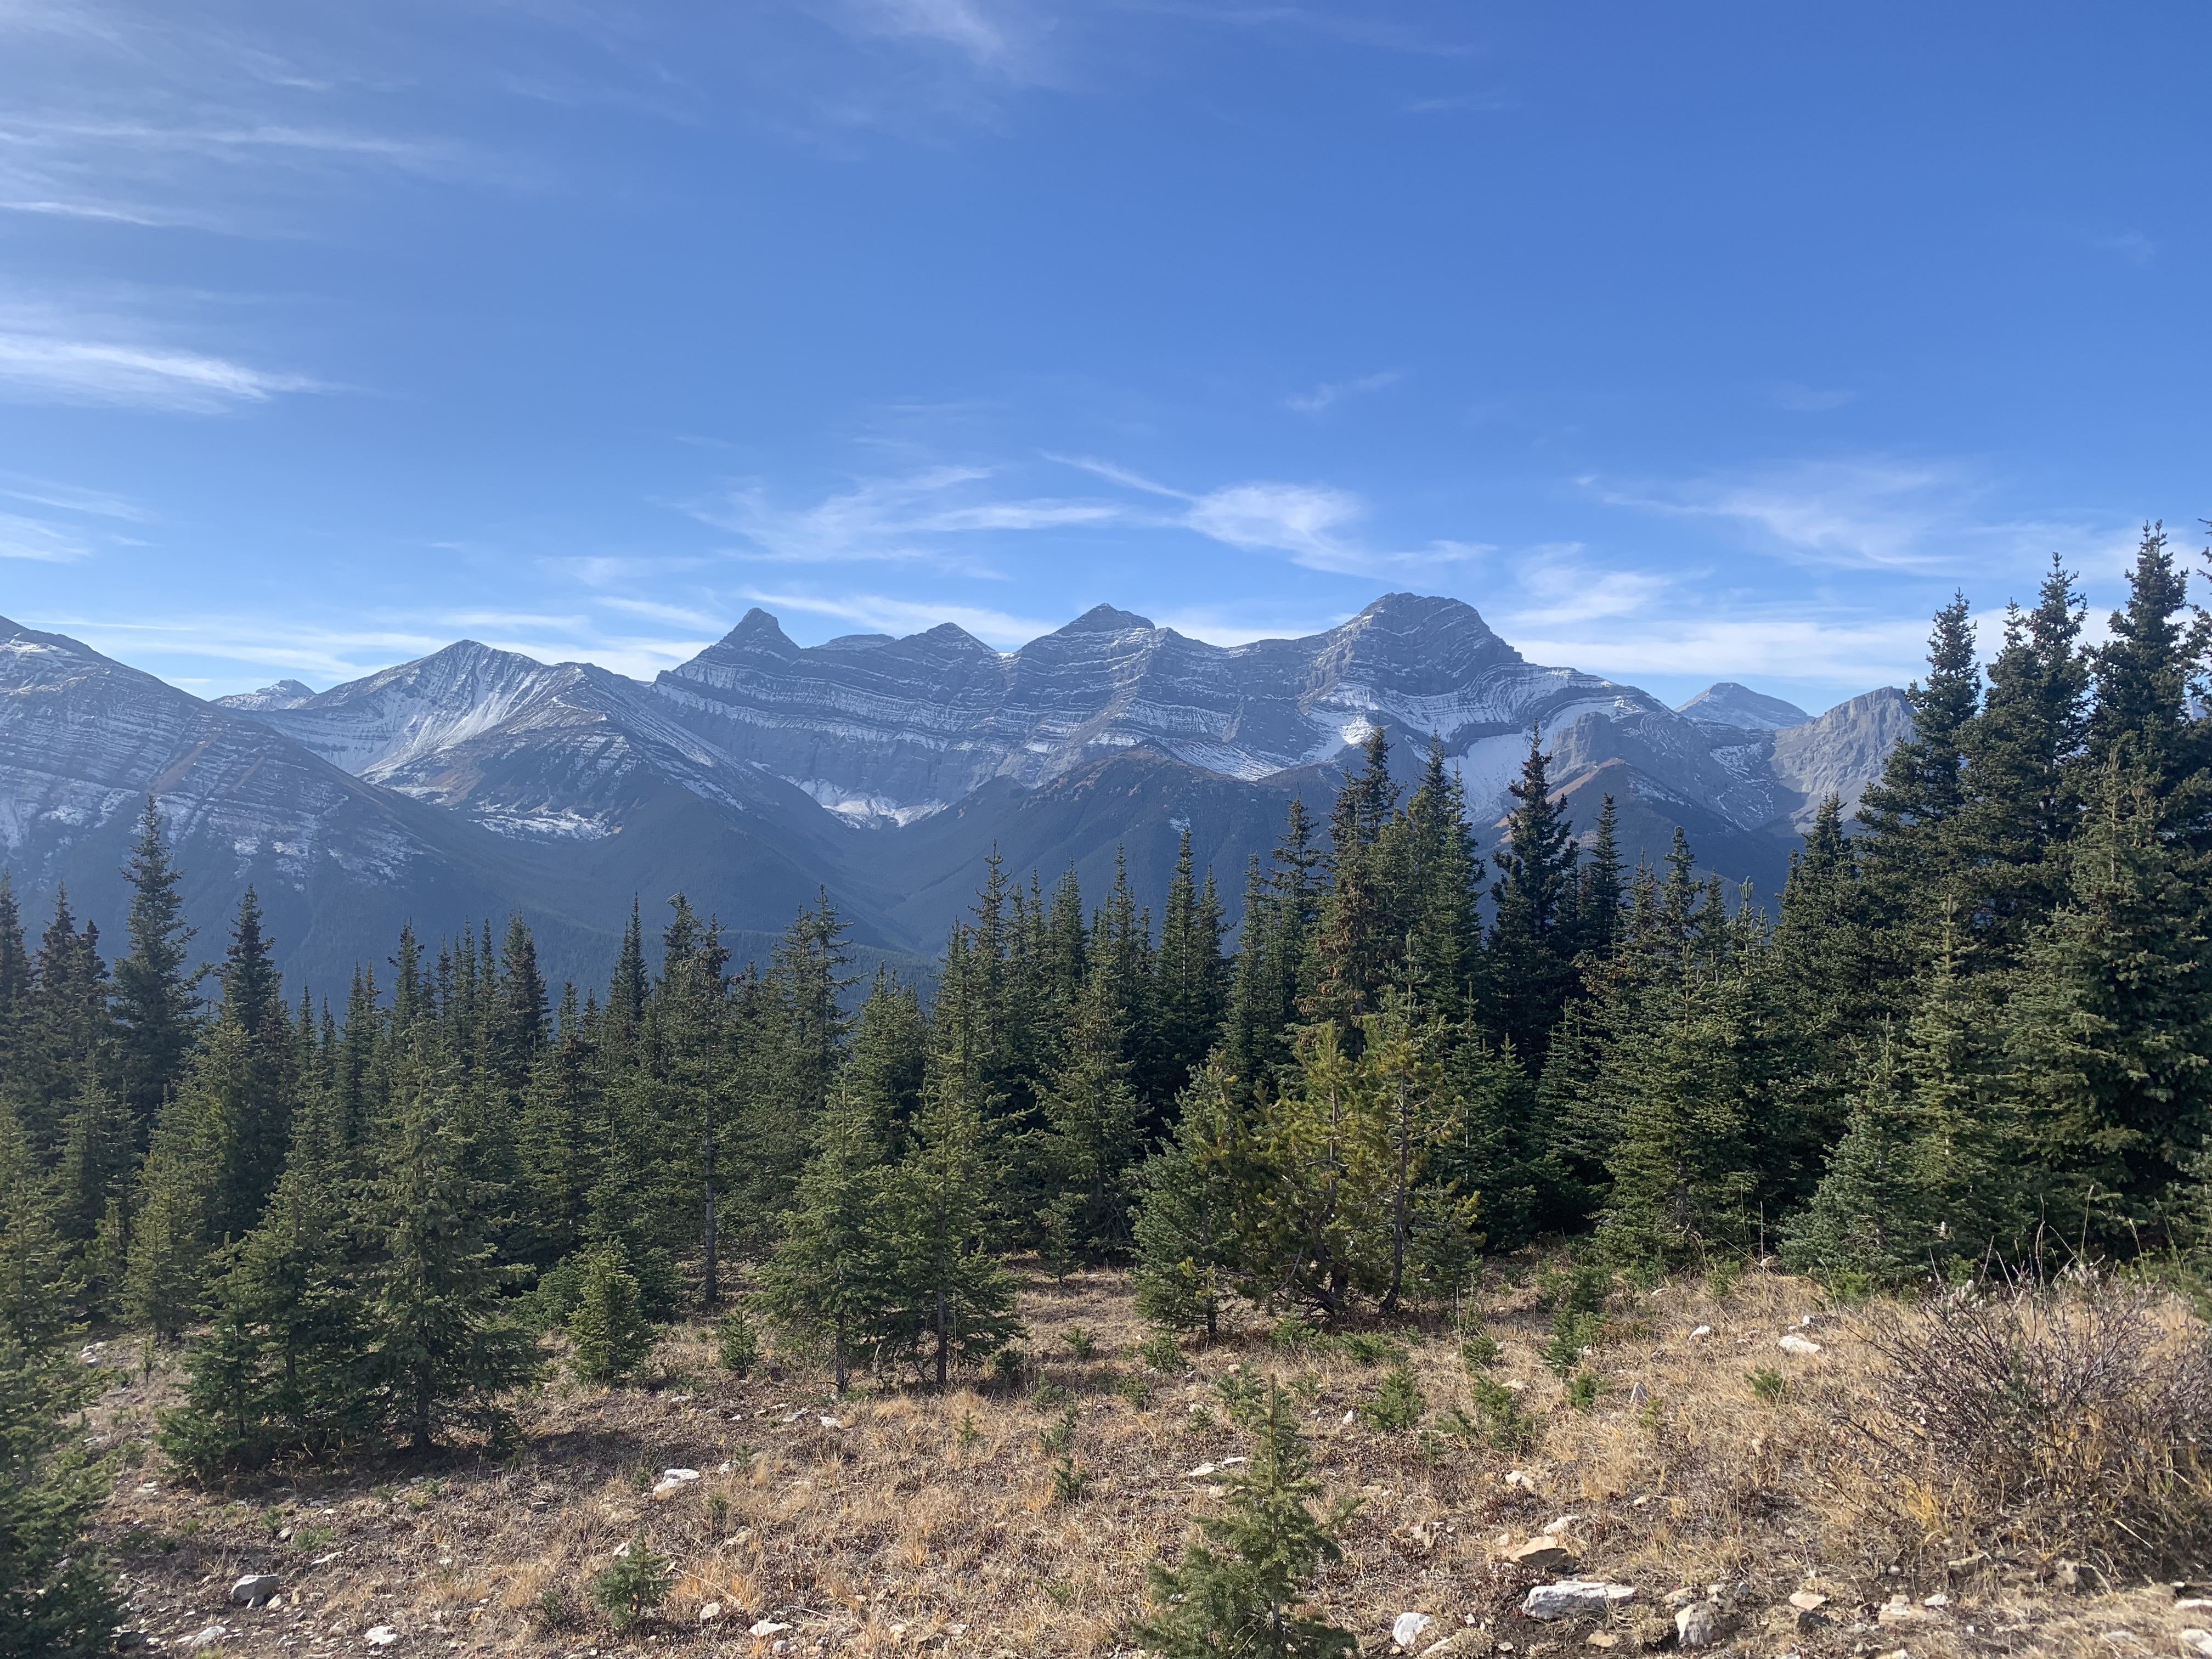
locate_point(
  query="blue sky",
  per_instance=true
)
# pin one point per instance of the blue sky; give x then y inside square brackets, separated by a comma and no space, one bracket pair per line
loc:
[1687,342]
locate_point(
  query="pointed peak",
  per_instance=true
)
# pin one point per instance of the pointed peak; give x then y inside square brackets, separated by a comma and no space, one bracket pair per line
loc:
[1724,702]
[757,630]
[284,693]
[1106,619]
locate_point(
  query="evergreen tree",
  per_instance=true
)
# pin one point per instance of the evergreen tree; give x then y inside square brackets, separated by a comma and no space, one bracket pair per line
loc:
[1530,972]
[1189,988]
[1198,1194]
[57,1599]
[831,1276]
[609,1334]
[153,998]
[2109,1029]
[171,1208]
[1433,860]
[1093,1137]
[442,1349]
[1357,943]
[279,1369]
[952,1293]
[1240,1589]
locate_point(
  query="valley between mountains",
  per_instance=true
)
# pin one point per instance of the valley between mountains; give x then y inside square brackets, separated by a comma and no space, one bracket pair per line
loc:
[475,783]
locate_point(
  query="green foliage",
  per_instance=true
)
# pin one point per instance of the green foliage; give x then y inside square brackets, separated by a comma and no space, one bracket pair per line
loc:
[1479,1350]
[1134,1387]
[1584,1390]
[1497,1419]
[737,1345]
[1164,1354]
[1371,1348]
[1239,1586]
[1081,1344]
[1061,1436]
[1767,1384]
[629,1588]
[609,1333]
[1398,1403]
[1069,1483]
[1571,1332]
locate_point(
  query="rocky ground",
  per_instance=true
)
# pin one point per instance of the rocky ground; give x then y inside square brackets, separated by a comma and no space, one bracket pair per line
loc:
[1718,1491]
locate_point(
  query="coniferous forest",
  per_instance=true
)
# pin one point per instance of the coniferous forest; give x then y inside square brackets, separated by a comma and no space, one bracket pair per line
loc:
[1973,1036]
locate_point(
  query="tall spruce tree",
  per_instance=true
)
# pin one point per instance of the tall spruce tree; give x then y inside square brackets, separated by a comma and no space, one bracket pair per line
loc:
[154,1002]
[1530,972]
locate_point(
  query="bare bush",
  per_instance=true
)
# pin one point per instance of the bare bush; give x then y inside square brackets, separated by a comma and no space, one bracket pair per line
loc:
[2074,1417]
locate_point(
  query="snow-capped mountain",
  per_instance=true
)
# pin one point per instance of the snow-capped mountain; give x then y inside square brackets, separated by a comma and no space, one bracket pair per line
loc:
[883,771]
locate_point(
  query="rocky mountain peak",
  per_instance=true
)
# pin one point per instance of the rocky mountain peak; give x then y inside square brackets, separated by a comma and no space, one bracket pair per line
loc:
[1724,702]
[284,693]
[1105,619]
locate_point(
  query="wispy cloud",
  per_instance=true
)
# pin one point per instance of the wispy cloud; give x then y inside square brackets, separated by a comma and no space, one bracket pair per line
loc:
[1316,527]
[31,538]
[880,614]
[936,517]
[59,368]
[70,498]
[1330,391]
[677,614]
[1878,514]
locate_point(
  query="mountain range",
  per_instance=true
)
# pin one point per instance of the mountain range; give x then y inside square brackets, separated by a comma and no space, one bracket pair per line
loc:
[475,781]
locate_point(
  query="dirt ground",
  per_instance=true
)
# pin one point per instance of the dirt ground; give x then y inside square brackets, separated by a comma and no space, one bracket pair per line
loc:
[897,1519]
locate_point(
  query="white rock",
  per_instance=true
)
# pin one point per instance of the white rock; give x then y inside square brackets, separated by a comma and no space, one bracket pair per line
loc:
[1199,1473]
[767,1627]
[1702,1330]
[667,1489]
[381,1636]
[1350,1418]
[1794,1343]
[253,1590]
[710,1613]
[1232,1463]
[205,1638]
[2197,1641]
[1697,1625]
[829,1423]
[2193,1604]
[1938,1600]
[1407,1628]
[1553,1528]
[679,1475]
[1572,1597]
[1808,1600]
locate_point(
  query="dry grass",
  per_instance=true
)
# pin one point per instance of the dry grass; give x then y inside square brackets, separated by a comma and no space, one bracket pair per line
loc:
[928,1522]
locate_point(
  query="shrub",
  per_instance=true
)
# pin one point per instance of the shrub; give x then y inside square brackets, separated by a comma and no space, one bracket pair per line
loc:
[1571,1332]
[1397,1403]
[2078,1411]
[1164,1354]
[1060,1436]
[1372,1348]
[1068,1482]
[1133,1388]
[1293,1336]
[1008,1364]
[1238,1588]
[609,1329]
[1478,1351]
[632,1585]
[1769,1384]
[1081,1344]
[1722,1277]
[1584,1388]
[736,1343]
[1497,1419]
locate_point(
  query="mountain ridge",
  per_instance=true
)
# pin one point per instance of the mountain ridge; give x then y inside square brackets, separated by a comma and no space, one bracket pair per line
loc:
[880,770]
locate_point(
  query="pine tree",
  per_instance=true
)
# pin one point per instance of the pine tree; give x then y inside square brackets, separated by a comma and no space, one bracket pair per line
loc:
[1198,1196]
[56,1598]
[154,999]
[953,1294]
[280,1369]
[830,1276]
[173,1205]
[1240,1589]
[1093,1136]
[2109,1031]
[442,1348]
[2141,715]
[92,1186]
[1357,943]
[1530,971]
[609,1334]
[1189,987]
[1433,858]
